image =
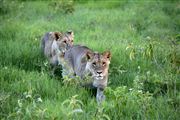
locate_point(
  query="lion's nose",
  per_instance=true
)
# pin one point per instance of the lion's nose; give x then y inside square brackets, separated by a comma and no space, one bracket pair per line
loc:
[99,72]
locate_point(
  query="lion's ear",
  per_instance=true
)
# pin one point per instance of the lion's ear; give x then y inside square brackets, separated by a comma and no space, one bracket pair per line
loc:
[57,35]
[88,56]
[107,54]
[70,34]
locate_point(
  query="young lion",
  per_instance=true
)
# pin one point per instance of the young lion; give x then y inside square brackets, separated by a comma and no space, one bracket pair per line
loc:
[54,44]
[83,61]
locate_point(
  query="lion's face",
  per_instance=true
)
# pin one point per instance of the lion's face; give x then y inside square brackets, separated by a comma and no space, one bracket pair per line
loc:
[64,41]
[98,64]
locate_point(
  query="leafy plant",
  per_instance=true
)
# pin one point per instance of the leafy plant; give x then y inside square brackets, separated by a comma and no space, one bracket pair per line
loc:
[63,6]
[71,107]
[174,55]
[28,107]
[132,51]
[69,81]
[100,114]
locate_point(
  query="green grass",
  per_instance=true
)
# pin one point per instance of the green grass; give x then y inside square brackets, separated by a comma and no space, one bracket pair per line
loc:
[144,80]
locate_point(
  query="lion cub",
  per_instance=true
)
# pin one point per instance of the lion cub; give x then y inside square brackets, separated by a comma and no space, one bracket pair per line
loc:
[54,44]
[83,61]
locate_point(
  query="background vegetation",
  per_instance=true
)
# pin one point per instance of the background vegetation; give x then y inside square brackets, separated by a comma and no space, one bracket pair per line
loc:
[143,36]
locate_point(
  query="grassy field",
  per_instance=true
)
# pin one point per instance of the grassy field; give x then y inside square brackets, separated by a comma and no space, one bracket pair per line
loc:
[144,80]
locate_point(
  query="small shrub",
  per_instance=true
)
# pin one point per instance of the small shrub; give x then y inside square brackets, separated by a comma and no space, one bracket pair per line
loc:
[64,6]
[28,107]
[126,101]
[71,107]
[7,6]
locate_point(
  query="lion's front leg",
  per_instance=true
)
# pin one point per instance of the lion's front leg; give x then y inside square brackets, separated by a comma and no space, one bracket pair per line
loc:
[100,97]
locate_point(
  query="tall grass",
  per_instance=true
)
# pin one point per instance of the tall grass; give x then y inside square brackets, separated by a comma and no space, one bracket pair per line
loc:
[144,79]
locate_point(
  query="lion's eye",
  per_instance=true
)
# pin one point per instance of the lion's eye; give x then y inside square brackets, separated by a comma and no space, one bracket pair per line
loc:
[103,63]
[64,41]
[94,64]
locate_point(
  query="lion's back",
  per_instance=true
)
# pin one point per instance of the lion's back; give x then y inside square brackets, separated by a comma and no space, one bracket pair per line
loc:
[46,44]
[74,58]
